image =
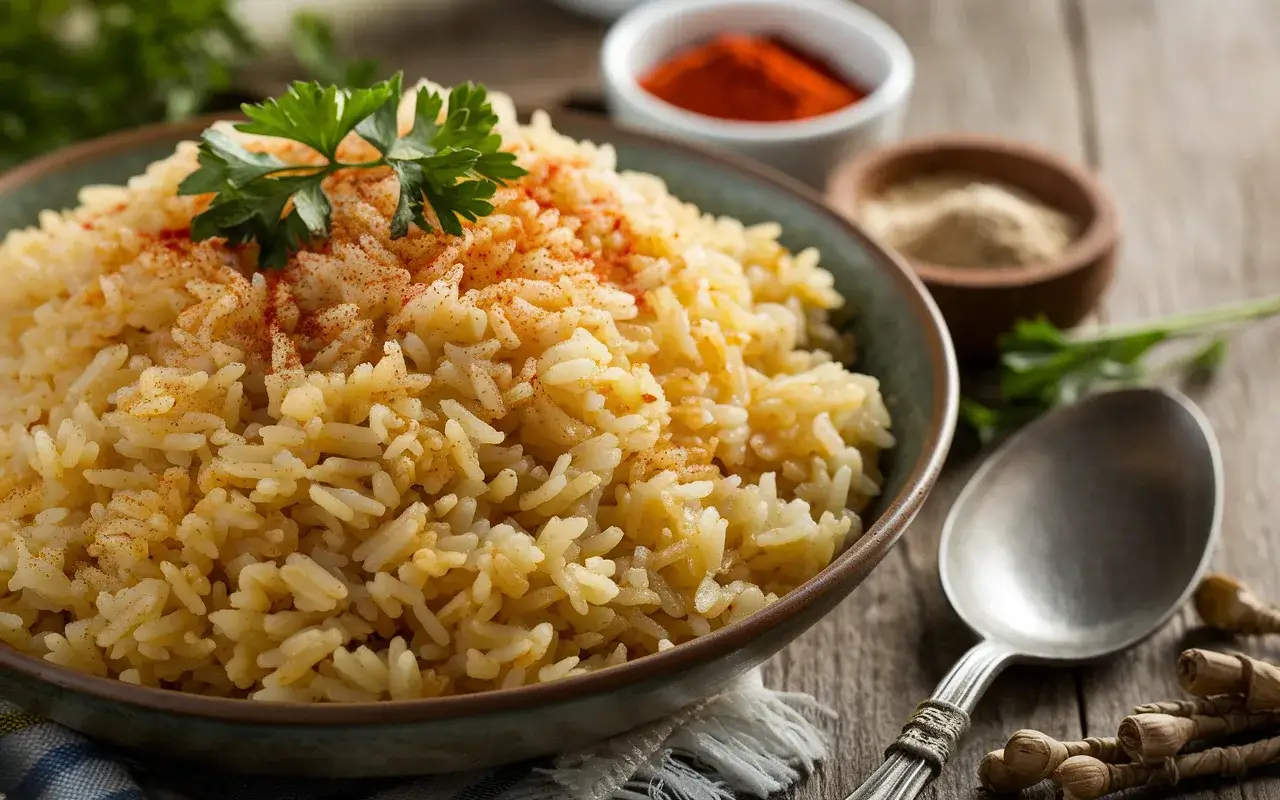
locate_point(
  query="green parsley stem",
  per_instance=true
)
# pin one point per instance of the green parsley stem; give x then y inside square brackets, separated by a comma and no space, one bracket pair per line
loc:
[381,162]
[1192,324]
[304,170]
[327,169]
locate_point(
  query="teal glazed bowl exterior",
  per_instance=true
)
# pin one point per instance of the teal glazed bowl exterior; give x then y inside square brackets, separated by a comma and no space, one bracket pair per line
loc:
[901,339]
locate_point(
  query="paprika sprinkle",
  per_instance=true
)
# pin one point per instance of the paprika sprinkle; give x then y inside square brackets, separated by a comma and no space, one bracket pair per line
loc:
[750,79]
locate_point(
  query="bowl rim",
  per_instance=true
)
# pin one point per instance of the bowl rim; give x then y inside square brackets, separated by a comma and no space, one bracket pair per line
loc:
[859,557]
[845,190]
[635,24]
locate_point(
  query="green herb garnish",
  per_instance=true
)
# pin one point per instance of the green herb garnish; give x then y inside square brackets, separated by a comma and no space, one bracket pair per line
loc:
[1042,367]
[454,166]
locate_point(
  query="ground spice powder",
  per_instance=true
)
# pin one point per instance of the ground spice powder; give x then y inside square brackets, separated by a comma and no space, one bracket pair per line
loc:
[750,79]
[961,220]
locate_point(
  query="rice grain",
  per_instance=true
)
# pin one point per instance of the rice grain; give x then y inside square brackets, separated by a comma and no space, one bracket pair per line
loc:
[598,424]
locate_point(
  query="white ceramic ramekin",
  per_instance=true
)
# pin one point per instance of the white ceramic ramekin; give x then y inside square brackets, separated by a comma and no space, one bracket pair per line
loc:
[852,40]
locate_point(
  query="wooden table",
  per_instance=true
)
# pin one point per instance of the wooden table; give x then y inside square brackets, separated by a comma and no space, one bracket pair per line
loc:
[1177,103]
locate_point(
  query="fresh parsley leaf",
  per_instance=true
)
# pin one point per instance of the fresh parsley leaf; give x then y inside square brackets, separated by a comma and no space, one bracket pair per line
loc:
[223,161]
[286,239]
[1040,362]
[499,167]
[454,167]
[1043,367]
[469,121]
[418,142]
[409,209]
[313,208]
[452,203]
[318,116]
[251,213]
[446,167]
[381,128]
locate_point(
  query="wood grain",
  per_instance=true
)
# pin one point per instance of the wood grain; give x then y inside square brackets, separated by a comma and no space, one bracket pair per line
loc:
[1186,118]
[981,65]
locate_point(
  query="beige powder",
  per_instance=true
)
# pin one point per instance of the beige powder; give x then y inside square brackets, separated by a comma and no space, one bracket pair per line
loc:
[965,221]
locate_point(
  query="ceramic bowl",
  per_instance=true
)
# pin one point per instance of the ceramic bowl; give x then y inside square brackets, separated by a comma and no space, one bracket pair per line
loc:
[851,39]
[980,303]
[904,344]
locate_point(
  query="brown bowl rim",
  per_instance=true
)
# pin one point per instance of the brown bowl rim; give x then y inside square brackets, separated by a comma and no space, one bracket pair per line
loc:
[860,556]
[845,191]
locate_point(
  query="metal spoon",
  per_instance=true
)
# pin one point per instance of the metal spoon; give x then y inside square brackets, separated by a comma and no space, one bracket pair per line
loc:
[1077,539]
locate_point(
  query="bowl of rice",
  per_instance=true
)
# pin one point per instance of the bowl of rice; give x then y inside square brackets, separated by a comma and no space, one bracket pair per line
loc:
[423,504]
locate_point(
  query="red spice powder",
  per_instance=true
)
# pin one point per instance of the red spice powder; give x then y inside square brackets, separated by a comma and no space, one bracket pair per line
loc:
[751,79]
[270,314]
[415,290]
[270,320]
[172,238]
[278,312]
[613,266]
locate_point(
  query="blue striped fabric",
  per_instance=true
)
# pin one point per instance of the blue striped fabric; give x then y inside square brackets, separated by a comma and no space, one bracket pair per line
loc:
[43,761]
[40,760]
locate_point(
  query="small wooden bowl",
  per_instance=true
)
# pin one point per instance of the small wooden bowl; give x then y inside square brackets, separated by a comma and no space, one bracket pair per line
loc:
[981,303]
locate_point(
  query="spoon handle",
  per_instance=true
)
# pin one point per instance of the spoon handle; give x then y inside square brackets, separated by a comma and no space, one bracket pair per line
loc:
[925,743]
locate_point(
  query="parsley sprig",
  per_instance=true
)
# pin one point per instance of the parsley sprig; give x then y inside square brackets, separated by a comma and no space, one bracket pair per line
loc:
[455,166]
[1042,367]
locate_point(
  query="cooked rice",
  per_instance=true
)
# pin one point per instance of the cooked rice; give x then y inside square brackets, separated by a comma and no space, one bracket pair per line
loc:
[597,425]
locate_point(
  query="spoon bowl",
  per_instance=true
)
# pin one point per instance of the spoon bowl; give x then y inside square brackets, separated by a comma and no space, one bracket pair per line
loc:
[1086,532]
[1077,539]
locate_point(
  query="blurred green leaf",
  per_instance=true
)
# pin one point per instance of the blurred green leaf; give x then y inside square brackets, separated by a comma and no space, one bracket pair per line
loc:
[1204,363]
[75,69]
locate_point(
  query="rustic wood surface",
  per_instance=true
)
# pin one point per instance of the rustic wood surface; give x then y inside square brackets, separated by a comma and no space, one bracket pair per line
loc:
[1176,103]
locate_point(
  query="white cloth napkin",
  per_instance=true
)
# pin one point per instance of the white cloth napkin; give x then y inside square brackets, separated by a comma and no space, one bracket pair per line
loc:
[748,740]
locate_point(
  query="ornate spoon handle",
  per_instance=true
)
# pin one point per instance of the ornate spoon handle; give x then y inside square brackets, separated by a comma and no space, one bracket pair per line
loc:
[925,744]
